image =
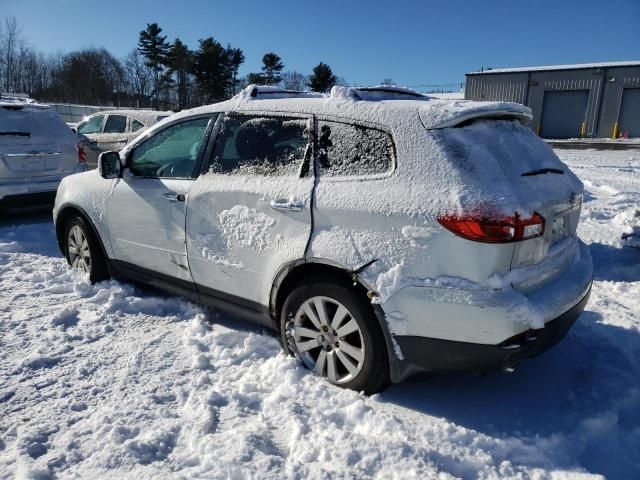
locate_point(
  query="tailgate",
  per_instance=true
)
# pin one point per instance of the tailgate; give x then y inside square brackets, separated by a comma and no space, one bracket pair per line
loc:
[35,142]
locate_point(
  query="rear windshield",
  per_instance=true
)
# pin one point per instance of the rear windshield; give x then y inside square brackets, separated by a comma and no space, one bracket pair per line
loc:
[32,126]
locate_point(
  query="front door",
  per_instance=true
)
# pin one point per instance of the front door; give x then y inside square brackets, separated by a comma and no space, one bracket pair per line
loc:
[114,134]
[251,213]
[146,211]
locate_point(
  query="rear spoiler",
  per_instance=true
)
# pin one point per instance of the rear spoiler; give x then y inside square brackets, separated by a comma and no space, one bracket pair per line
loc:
[447,114]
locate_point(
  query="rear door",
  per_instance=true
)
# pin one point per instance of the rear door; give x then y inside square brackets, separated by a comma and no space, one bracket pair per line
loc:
[114,134]
[146,211]
[251,213]
[35,142]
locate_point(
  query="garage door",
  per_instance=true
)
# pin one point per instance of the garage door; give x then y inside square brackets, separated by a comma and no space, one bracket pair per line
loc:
[630,113]
[563,113]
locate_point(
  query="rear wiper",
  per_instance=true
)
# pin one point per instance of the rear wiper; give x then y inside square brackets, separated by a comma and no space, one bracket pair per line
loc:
[16,134]
[542,171]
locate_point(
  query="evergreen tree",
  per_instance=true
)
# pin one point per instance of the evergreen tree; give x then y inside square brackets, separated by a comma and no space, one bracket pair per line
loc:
[211,70]
[155,48]
[180,63]
[322,78]
[255,79]
[271,67]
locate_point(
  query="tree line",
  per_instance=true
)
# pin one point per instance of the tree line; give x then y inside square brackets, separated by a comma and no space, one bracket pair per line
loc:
[157,73]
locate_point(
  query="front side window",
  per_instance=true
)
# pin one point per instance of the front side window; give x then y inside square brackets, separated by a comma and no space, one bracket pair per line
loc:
[116,124]
[170,153]
[260,145]
[346,150]
[92,125]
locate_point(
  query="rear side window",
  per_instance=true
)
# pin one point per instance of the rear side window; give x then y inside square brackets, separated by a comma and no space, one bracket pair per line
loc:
[116,124]
[347,150]
[261,145]
[136,125]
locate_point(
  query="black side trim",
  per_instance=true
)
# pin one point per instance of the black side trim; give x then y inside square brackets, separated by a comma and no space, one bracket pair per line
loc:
[232,304]
[435,354]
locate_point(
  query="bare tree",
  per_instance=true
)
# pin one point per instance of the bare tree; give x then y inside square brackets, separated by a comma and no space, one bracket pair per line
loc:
[294,81]
[139,76]
[10,46]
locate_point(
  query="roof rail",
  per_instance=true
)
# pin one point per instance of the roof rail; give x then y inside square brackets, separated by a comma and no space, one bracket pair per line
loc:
[379,92]
[268,91]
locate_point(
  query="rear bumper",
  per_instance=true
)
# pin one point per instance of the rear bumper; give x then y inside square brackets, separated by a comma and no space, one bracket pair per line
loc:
[434,354]
[32,190]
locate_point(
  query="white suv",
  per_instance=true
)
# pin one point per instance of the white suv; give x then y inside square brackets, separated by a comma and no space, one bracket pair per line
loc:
[382,232]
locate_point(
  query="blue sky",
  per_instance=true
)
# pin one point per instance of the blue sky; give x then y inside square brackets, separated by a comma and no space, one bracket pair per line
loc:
[413,42]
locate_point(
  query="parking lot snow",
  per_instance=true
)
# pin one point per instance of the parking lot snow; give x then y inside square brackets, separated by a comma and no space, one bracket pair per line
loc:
[115,381]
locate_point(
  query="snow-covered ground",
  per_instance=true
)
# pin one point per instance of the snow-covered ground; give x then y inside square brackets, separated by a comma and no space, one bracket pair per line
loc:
[113,381]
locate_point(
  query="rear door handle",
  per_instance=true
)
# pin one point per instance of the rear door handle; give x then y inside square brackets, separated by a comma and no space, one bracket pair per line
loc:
[173,197]
[286,205]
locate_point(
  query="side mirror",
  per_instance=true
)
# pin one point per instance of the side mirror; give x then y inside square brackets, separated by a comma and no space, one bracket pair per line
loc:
[109,165]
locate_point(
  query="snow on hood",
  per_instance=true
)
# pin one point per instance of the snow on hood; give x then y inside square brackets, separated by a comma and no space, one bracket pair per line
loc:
[443,113]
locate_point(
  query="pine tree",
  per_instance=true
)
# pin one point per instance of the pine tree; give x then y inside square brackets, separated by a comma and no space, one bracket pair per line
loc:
[271,67]
[155,48]
[211,70]
[180,63]
[322,78]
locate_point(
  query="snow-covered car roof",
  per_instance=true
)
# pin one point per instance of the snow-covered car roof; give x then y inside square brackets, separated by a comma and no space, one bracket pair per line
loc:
[148,117]
[388,106]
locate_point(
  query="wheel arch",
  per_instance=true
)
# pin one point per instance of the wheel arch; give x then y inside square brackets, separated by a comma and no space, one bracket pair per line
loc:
[67,212]
[291,273]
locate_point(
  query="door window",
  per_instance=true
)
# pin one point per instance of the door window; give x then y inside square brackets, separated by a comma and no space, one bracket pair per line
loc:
[170,153]
[347,150]
[116,124]
[260,145]
[93,125]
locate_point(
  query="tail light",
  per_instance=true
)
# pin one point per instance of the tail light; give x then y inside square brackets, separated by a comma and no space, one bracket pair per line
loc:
[82,156]
[494,230]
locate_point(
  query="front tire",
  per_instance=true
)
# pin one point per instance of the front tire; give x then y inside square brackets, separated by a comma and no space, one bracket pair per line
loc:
[83,250]
[333,332]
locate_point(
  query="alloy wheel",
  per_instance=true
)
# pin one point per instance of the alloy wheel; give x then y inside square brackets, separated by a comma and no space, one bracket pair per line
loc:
[78,249]
[329,339]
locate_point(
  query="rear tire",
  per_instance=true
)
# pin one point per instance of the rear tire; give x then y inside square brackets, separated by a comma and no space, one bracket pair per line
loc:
[83,251]
[332,331]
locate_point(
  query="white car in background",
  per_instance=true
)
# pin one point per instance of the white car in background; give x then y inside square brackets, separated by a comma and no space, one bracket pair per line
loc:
[37,149]
[111,130]
[380,231]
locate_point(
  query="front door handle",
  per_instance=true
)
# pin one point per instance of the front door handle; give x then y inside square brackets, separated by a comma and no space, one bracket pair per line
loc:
[286,205]
[173,197]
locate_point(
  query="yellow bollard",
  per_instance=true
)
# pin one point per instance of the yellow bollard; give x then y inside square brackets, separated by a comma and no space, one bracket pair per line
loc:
[583,129]
[615,131]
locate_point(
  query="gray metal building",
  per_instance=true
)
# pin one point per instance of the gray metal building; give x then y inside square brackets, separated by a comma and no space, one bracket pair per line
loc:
[598,100]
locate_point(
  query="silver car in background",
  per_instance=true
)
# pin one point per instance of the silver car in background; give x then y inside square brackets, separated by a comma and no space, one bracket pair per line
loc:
[111,130]
[37,149]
